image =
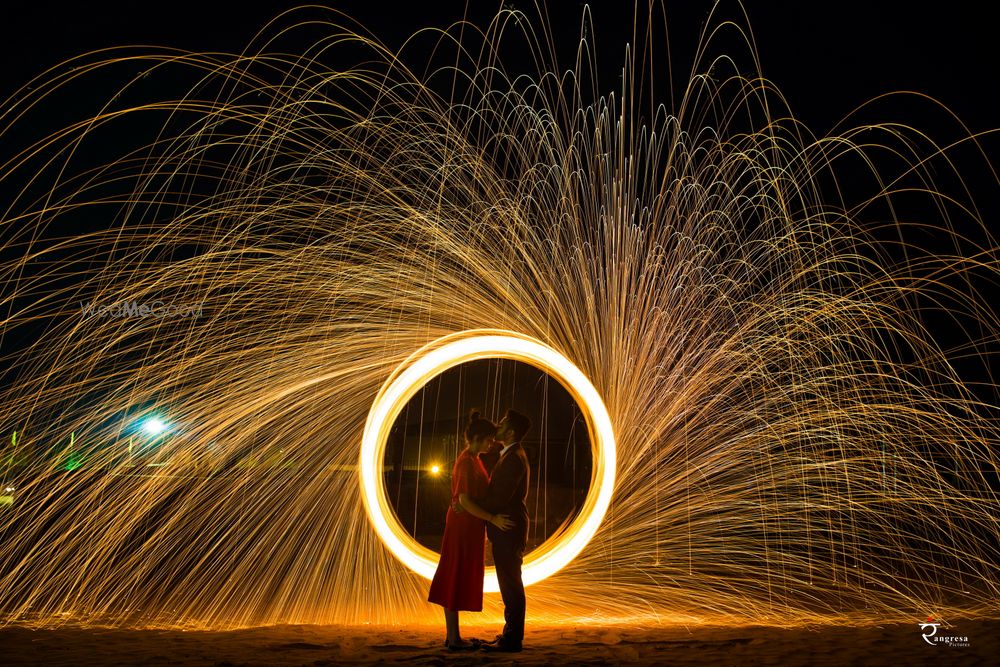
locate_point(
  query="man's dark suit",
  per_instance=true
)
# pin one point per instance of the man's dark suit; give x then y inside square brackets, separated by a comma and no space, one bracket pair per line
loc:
[507,494]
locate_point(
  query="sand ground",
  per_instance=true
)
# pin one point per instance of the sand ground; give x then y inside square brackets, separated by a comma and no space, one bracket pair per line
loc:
[316,646]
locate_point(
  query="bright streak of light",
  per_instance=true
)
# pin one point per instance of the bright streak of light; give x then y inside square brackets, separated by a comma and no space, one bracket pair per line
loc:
[437,357]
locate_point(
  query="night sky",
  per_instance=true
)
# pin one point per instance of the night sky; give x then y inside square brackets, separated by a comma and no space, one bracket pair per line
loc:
[826,57]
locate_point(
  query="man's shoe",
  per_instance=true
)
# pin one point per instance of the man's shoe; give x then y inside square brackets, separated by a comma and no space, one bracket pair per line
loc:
[503,647]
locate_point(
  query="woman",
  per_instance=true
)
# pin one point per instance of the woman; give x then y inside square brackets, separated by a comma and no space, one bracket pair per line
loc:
[458,581]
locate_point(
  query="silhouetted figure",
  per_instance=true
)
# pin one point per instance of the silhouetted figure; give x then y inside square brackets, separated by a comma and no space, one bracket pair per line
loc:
[507,494]
[458,581]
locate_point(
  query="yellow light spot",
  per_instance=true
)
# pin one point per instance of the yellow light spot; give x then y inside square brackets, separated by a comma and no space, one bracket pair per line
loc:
[435,469]
[453,350]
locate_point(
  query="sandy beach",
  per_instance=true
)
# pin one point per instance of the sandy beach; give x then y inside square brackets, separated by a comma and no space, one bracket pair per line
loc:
[316,646]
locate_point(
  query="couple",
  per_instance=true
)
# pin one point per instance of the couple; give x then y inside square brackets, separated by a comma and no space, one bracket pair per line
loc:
[489,487]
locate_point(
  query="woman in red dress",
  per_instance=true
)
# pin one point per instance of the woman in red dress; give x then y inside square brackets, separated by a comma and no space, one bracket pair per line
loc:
[458,581]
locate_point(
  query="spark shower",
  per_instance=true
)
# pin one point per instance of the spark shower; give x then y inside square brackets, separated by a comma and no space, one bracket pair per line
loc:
[793,443]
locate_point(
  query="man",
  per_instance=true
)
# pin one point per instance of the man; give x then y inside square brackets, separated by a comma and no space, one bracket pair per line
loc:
[507,494]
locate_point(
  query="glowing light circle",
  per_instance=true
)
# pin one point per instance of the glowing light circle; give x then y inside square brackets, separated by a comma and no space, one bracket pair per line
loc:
[432,360]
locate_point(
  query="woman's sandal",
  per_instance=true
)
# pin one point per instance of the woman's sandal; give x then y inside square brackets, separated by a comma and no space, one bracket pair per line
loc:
[467,645]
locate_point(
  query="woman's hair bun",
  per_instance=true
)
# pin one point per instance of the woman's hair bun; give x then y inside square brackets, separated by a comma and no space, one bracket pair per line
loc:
[479,427]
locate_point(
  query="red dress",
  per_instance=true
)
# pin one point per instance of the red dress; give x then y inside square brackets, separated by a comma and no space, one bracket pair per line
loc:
[458,581]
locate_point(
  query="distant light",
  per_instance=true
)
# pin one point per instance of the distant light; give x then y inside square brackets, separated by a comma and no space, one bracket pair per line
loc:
[154,426]
[8,489]
[435,469]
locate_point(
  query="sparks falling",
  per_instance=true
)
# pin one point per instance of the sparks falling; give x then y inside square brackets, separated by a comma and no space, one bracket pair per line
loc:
[793,445]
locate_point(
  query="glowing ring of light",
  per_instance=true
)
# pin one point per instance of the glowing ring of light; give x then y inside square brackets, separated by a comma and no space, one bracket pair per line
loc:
[439,356]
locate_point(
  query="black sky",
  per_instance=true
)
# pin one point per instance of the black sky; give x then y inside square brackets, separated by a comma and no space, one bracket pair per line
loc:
[827,57]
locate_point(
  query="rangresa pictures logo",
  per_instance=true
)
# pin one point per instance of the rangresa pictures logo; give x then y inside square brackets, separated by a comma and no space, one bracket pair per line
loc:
[931,636]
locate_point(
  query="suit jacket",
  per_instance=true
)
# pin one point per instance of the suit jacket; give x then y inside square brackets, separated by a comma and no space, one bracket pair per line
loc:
[508,494]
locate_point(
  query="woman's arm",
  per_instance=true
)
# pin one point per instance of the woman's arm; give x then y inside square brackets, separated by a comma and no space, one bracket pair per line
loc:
[469,505]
